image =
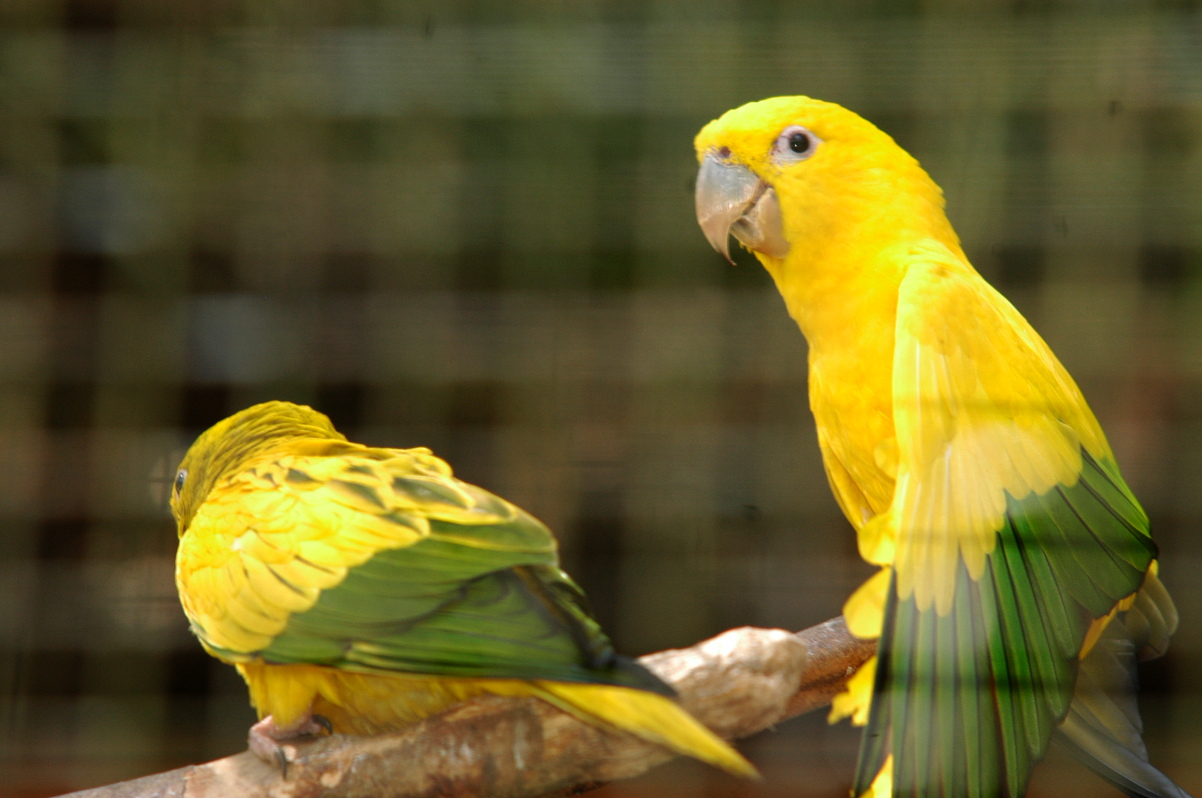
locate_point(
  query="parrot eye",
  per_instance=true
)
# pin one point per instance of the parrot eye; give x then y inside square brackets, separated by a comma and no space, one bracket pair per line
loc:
[179,480]
[795,143]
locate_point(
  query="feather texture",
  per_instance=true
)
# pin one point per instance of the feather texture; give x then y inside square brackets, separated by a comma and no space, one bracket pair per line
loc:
[969,463]
[1003,660]
[372,587]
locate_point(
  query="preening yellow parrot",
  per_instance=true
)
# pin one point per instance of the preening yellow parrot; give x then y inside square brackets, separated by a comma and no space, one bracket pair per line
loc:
[1018,582]
[359,589]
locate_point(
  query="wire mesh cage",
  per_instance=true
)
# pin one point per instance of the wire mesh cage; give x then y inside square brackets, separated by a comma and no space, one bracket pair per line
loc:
[469,226]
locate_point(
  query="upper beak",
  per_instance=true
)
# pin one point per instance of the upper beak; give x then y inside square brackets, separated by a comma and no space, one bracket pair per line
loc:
[732,200]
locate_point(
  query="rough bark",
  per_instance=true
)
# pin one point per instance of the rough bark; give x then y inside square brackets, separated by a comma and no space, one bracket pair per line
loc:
[737,683]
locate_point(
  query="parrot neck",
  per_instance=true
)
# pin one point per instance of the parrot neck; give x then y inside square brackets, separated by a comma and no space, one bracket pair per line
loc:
[841,277]
[229,445]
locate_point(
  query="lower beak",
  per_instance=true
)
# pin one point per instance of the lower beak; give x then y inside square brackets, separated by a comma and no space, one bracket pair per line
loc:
[731,200]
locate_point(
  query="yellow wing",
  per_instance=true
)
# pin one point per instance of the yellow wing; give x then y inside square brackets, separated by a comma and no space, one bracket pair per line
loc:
[982,409]
[266,542]
[1010,535]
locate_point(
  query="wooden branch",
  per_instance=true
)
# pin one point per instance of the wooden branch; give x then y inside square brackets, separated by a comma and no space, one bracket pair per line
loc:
[737,683]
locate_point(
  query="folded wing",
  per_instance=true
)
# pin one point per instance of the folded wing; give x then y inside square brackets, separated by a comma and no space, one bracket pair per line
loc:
[1012,535]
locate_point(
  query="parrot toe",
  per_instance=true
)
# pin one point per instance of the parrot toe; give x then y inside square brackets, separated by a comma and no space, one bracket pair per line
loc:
[269,741]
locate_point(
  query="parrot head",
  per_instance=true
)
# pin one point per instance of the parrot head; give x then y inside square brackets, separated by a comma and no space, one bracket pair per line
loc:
[228,445]
[788,174]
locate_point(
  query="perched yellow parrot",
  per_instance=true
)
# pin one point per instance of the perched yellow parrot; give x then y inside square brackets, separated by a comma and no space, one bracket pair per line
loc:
[1018,581]
[359,589]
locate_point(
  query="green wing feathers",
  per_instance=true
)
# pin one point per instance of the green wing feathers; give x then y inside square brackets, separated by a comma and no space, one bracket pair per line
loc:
[1103,728]
[452,610]
[298,547]
[278,535]
[966,702]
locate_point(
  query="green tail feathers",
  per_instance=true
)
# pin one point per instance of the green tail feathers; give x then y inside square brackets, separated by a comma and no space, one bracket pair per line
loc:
[1103,729]
[967,703]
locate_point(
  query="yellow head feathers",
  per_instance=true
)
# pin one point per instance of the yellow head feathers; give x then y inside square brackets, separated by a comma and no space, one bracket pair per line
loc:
[227,446]
[832,173]
[751,131]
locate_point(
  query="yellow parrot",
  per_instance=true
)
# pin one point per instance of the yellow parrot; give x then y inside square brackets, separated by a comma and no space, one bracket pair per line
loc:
[359,589]
[1018,582]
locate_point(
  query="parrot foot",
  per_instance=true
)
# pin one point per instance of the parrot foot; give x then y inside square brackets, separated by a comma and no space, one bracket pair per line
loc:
[270,742]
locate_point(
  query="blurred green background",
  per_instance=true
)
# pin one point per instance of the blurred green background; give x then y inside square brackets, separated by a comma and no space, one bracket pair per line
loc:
[469,225]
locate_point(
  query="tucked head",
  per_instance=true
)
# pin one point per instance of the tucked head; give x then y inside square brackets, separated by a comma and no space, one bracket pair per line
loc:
[228,445]
[782,172]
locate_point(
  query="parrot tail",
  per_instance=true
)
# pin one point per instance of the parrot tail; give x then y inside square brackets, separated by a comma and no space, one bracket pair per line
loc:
[1103,728]
[651,716]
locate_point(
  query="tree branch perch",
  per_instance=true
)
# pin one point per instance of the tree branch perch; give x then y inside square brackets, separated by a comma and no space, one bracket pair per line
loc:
[737,683]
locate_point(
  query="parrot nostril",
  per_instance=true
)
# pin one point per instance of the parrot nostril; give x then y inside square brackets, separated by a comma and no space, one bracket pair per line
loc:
[724,152]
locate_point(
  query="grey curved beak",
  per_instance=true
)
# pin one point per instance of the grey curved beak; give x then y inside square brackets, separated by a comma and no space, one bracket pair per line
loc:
[731,200]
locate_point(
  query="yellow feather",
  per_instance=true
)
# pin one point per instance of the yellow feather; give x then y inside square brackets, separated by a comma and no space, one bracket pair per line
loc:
[307,579]
[864,609]
[856,698]
[325,556]
[648,715]
[228,580]
[1094,633]
[253,615]
[882,785]
[237,628]
[260,503]
[263,548]
[972,438]
[275,598]
[878,540]
[285,518]
[361,703]
[935,402]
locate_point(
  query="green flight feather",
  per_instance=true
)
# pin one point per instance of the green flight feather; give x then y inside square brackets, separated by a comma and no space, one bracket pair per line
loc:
[446,607]
[967,703]
[946,734]
[1103,728]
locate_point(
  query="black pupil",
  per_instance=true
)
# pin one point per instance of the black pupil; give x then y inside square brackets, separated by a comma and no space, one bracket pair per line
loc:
[799,142]
[179,480]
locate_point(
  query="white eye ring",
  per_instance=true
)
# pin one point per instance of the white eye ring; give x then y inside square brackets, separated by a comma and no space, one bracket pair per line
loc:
[795,143]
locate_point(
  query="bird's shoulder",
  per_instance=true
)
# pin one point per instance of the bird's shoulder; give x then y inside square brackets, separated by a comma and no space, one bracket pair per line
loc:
[269,539]
[964,354]
[982,411]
